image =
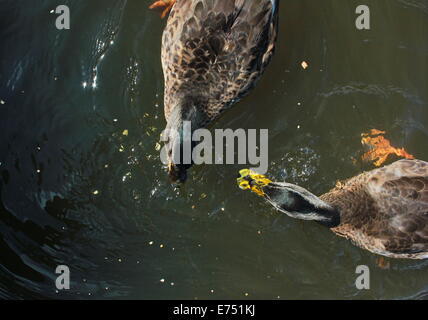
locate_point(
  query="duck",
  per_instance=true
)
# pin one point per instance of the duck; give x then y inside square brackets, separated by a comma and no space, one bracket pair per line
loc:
[213,54]
[384,211]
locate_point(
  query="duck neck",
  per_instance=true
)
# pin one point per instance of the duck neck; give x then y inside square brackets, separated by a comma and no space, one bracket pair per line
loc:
[331,217]
[187,109]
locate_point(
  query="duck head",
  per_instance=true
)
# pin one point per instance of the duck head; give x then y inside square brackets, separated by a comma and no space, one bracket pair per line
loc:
[182,122]
[291,199]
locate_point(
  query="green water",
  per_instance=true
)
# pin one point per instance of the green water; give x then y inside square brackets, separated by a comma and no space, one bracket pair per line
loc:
[102,203]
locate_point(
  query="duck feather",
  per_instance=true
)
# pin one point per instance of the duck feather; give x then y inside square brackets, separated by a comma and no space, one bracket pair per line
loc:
[214,51]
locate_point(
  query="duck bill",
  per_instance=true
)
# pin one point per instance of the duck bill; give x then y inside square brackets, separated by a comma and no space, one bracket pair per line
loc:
[253,181]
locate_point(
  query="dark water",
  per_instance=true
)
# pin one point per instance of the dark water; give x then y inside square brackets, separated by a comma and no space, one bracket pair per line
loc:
[101,203]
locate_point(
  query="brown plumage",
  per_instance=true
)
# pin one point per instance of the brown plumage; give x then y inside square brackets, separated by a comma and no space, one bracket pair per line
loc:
[213,52]
[384,210]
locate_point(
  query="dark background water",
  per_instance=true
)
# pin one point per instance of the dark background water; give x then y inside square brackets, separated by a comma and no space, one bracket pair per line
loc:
[74,190]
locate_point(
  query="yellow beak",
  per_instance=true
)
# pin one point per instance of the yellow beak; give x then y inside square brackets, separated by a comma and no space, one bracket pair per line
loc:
[251,180]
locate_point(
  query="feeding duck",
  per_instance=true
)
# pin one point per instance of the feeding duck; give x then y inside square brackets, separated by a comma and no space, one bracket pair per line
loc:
[384,210]
[213,52]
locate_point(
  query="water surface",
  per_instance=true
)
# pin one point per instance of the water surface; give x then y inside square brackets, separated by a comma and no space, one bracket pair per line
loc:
[74,190]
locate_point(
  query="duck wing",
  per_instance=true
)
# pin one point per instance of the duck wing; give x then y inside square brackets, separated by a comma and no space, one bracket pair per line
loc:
[214,51]
[400,193]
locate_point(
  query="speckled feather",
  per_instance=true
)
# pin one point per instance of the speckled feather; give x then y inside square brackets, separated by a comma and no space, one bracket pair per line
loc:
[385,210]
[214,51]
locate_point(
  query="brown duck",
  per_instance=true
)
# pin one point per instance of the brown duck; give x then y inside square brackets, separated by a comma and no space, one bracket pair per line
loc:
[213,52]
[384,210]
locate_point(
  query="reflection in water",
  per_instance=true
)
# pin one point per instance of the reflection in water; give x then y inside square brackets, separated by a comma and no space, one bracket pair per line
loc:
[76,190]
[381,148]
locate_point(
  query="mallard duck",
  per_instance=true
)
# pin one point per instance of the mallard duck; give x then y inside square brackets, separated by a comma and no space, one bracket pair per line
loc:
[213,52]
[384,210]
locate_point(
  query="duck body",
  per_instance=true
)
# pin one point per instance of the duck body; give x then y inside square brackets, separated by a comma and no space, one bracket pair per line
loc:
[384,210]
[213,53]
